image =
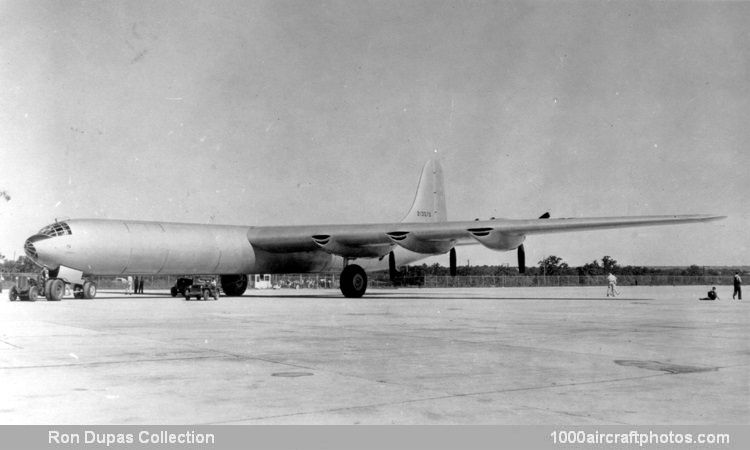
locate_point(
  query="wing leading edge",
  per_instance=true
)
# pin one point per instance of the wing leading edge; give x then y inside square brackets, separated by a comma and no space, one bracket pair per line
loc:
[375,240]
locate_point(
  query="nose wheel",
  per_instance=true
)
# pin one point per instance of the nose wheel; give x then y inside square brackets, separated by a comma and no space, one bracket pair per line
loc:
[55,289]
[353,281]
[89,290]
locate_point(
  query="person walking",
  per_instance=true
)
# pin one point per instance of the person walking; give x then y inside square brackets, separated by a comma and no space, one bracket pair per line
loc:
[737,286]
[129,287]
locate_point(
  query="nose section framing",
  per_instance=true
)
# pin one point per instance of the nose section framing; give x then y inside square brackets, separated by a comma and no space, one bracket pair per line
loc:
[33,245]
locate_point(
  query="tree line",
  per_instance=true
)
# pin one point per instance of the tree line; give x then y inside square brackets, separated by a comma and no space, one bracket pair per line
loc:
[21,265]
[554,265]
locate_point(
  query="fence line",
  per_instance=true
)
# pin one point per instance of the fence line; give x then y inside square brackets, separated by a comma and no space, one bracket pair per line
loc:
[330,280]
[572,280]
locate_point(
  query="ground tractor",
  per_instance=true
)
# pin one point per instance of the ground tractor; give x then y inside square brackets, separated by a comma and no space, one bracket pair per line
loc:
[182,284]
[30,288]
[25,288]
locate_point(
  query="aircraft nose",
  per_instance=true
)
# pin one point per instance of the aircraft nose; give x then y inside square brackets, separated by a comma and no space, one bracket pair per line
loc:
[30,247]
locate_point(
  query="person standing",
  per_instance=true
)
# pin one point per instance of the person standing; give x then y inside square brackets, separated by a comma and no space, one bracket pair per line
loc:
[612,285]
[129,288]
[135,284]
[140,286]
[43,280]
[737,286]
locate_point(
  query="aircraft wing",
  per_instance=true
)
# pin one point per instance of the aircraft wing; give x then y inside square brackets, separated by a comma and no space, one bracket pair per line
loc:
[540,226]
[376,240]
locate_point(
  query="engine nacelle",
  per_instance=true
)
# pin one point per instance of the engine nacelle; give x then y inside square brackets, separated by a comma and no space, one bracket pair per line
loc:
[411,242]
[333,246]
[496,240]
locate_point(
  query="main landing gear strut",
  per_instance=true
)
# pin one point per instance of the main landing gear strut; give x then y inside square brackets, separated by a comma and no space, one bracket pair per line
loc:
[353,281]
[54,287]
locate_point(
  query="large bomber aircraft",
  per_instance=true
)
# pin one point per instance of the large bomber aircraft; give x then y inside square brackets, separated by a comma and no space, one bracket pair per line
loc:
[78,248]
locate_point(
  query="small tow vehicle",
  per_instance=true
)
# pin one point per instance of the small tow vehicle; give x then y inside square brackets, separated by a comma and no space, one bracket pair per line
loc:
[202,289]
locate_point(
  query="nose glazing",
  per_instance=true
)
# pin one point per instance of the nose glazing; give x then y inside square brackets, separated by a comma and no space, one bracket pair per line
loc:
[30,248]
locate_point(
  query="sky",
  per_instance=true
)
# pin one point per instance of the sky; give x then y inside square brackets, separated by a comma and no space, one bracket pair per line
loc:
[314,112]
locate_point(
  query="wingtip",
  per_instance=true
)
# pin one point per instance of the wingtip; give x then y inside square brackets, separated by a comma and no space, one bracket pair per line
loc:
[709,217]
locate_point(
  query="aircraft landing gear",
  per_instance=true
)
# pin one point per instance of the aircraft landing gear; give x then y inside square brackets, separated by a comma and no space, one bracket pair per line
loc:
[353,281]
[233,285]
[87,290]
[55,286]
[55,289]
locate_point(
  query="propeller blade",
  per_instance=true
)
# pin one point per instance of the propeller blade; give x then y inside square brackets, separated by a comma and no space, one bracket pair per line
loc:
[521,259]
[453,262]
[545,215]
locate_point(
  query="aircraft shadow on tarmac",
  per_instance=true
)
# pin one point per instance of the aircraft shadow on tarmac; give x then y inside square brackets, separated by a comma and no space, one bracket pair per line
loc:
[384,296]
[401,295]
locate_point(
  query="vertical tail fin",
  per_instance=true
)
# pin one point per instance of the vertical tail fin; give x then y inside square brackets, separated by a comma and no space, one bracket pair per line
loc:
[429,202]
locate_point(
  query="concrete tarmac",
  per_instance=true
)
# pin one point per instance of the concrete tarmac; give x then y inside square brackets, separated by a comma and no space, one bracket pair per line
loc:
[654,355]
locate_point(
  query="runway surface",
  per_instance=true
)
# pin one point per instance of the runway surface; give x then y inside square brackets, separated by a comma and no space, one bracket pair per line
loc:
[654,355]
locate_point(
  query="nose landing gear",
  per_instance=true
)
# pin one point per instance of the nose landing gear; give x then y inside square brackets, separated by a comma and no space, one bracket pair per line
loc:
[87,290]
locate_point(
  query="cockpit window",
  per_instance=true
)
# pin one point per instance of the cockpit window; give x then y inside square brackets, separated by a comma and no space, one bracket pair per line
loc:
[56,229]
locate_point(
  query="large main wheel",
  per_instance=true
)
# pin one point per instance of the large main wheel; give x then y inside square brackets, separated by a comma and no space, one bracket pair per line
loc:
[45,289]
[56,290]
[89,289]
[353,281]
[234,285]
[33,293]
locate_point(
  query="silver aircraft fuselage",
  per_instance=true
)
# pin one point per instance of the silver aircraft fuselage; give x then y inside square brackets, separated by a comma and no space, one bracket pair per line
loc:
[114,247]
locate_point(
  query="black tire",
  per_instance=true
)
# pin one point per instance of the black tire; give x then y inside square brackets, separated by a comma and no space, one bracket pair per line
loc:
[45,288]
[187,297]
[89,290]
[13,294]
[353,281]
[56,290]
[173,291]
[206,294]
[33,293]
[234,285]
